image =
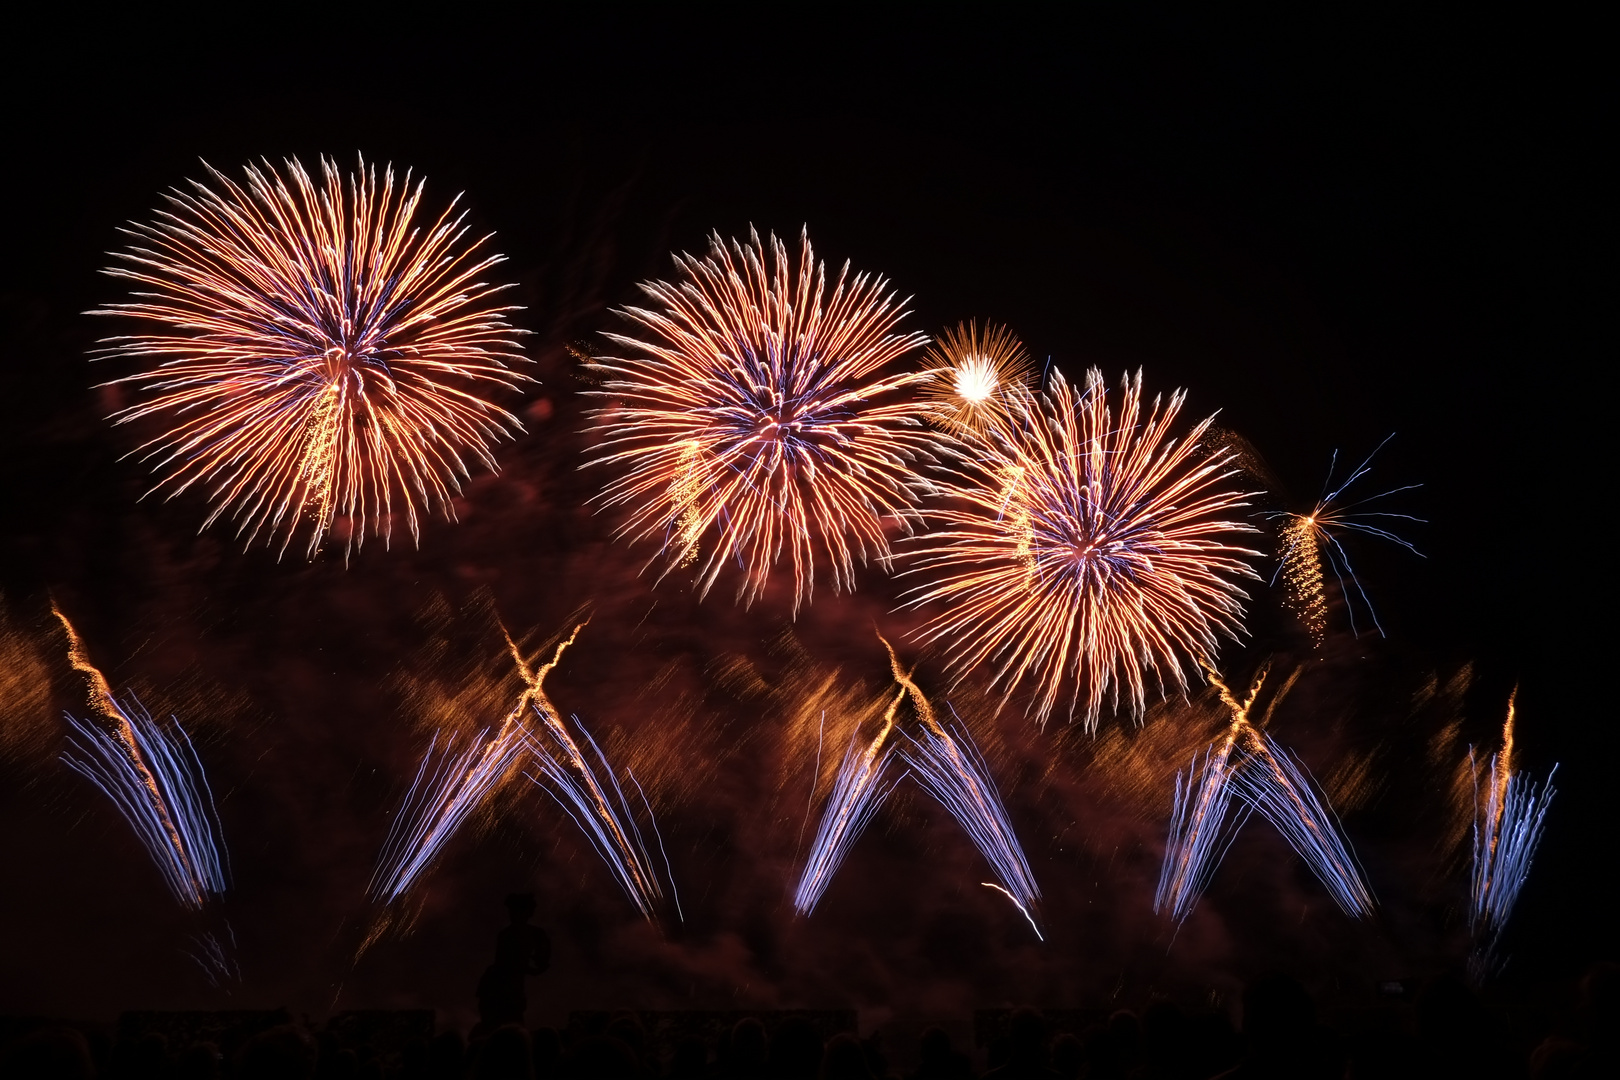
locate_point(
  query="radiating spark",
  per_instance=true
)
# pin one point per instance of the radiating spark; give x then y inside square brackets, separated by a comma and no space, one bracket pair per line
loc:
[154,778]
[972,375]
[1311,540]
[1204,819]
[1085,549]
[451,785]
[1510,814]
[754,419]
[216,958]
[319,353]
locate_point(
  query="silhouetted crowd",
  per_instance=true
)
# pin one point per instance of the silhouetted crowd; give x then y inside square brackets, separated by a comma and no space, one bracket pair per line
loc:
[1447,1032]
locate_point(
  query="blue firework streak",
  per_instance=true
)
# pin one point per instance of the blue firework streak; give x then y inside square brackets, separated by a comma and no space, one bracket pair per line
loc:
[157,782]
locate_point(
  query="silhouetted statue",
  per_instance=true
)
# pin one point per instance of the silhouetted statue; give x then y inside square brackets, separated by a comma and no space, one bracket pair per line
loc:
[1026,1049]
[521,950]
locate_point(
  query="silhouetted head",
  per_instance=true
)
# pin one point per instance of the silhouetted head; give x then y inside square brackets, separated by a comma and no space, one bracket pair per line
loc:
[1026,1038]
[281,1053]
[200,1061]
[1449,1014]
[520,905]
[691,1061]
[1600,1004]
[547,1047]
[845,1059]
[505,1055]
[796,1049]
[1068,1056]
[936,1047]
[52,1054]
[446,1055]
[747,1048]
[1277,1011]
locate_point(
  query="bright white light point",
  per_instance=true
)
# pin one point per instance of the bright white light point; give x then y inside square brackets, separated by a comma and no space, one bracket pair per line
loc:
[976,379]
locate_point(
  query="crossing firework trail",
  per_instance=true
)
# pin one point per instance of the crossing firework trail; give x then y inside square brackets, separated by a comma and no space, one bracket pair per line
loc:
[948,766]
[1242,773]
[453,785]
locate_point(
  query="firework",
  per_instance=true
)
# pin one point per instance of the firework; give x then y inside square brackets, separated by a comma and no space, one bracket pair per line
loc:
[451,786]
[949,768]
[154,778]
[1085,547]
[862,785]
[1510,813]
[1310,542]
[972,374]
[757,418]
[319,351]
[1243,773]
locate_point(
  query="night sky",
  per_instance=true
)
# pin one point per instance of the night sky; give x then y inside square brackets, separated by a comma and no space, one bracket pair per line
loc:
[1328,232]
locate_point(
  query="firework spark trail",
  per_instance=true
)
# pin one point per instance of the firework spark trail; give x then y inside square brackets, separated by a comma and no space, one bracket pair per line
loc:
[961,782]
[154,778]
[1309,542]
[1246,764]
[1202,828]
[1085,547]
[1508,821]
[1283,794]
[609,828]
[972,374]
[861,787]
[749,419]
[316,353]
[450,786]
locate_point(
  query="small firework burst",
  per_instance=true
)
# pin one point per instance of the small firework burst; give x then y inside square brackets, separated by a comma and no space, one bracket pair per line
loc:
[972,373]
[1309,545]
[758,418]
[1085,550]
[319,351]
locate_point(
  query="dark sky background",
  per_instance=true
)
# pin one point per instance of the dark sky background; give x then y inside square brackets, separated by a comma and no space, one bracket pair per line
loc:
[1327,231]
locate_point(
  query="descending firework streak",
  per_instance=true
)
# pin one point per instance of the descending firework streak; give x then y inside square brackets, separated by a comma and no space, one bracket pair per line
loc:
[1085,546]
[1309,544]
[454,784]
[972,376]
[753,418]
[1246,772]
[1509,814]
[155,779]
[320,351]
[948,766]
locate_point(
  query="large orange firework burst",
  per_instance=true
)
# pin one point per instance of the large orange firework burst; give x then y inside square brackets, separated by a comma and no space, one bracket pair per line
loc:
[320,351]
[1086,550]
[757,417]
[973,373]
